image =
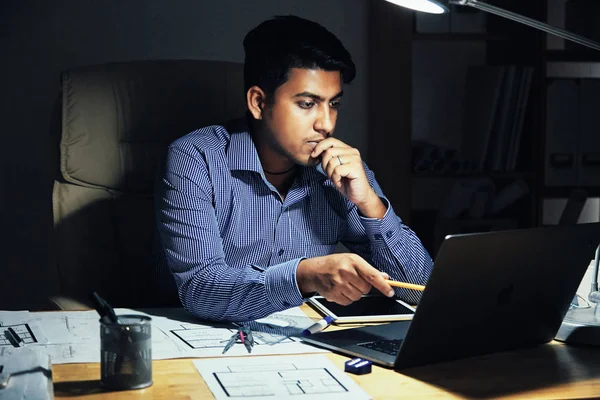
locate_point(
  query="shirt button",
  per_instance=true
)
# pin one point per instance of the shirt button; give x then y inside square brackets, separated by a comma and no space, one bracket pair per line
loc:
[389,234]
[286,304]
[280,252]
[378,236]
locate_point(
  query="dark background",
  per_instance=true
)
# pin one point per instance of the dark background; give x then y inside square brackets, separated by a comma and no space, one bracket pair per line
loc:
[40,38]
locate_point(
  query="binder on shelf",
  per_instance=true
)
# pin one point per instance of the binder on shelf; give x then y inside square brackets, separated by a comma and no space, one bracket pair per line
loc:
[498,151]
[562,131]
[524,89]
[588,163]
[482,100]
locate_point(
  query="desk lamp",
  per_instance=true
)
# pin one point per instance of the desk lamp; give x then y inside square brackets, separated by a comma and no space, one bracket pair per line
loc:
[441,6]
[580,325]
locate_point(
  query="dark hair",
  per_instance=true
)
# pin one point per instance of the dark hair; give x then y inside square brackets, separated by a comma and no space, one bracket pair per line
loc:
[285,42]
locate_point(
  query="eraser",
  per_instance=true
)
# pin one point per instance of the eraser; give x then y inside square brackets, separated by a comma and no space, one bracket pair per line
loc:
[358,366]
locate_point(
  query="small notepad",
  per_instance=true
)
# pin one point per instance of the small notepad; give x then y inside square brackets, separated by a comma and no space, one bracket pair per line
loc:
[26,374]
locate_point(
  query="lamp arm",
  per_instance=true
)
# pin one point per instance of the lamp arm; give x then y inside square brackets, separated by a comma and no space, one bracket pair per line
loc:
[529,21]
[594,287]
[594,295]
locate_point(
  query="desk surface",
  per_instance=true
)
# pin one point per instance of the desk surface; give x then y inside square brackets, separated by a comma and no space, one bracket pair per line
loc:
[546,372]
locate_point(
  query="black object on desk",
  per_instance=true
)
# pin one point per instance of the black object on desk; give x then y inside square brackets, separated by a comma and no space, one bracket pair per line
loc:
[125,348]
[14,337]
[104,309]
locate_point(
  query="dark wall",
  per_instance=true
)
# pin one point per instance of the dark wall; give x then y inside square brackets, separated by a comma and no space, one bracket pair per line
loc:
[41,38]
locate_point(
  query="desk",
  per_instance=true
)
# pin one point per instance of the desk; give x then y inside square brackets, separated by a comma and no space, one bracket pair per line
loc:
[553,371]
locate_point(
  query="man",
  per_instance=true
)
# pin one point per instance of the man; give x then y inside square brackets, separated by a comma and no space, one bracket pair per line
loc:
[249,216]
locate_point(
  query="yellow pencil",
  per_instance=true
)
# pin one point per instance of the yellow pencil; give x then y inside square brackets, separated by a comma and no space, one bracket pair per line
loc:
[406,285]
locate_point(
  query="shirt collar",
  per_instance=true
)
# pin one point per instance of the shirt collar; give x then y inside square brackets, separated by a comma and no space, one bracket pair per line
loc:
[242,155]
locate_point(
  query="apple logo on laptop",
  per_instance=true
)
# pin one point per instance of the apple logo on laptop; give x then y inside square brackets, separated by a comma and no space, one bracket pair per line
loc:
[505,295]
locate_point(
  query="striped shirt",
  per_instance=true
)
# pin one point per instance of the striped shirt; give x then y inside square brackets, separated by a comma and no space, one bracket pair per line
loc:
[233,246]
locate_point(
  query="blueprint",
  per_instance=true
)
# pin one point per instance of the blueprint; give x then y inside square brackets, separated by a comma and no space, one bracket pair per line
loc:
[74,336]
[300,377]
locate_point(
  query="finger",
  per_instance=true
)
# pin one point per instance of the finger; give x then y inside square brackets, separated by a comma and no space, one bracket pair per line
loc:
[347,154]
[361,286]
[342,300]
[352,283]
[352,293]
[385,275]
[374,277]
[322,146]
[334,161]
[346,171]
[331,159]
[327,144]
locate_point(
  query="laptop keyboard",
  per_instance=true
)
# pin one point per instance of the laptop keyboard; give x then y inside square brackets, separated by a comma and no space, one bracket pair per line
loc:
[388,346]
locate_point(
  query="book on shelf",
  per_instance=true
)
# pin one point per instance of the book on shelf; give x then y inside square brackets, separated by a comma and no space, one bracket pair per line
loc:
[495,104]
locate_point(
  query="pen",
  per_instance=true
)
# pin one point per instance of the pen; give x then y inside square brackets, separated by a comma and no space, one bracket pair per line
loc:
[16,338]
[405,285]
[104,309]
[318,326]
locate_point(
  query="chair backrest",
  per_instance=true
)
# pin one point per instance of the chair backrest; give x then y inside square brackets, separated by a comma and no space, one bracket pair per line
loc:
[117,121]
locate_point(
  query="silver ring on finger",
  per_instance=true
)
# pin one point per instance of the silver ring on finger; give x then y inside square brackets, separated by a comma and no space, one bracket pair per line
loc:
[340,160]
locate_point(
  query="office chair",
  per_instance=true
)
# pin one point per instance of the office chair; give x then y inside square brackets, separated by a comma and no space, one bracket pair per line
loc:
[116,121]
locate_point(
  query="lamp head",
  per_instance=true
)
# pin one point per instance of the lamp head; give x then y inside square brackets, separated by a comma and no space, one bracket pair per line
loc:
[428,6]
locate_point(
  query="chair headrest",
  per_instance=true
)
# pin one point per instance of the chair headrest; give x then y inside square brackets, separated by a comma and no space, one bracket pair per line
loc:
[118,119]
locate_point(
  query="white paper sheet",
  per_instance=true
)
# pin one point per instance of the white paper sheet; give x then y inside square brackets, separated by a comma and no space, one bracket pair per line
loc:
[29,376]
[74,336]
[13,317]
[300,377]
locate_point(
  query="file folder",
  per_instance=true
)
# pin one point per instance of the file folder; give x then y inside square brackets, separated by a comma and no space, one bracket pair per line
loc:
[562,132]
[589,143]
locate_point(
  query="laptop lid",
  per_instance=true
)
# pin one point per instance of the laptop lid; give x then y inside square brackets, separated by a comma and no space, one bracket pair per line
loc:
[512,289]
[488,292]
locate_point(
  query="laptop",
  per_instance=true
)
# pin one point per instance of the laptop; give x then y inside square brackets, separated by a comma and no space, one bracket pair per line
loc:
[488,292]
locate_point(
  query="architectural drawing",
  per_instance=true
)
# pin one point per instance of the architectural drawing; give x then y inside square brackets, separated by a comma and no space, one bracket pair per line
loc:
[279,377]
[23,330]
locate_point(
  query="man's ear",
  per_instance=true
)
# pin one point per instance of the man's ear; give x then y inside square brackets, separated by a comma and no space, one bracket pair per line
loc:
[255,99]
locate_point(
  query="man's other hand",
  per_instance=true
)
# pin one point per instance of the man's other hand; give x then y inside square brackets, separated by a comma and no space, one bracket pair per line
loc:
[341,278]
[343,165]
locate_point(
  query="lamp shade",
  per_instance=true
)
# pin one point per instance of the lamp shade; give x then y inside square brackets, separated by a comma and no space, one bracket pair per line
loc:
[428,6]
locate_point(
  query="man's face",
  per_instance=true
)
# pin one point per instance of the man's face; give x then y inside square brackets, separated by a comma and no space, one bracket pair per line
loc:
[303,113]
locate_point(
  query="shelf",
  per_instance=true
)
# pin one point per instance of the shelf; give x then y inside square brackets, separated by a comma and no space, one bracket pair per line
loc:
[450,36]
[571,56]
[564,192]
[573,69]
[491,175]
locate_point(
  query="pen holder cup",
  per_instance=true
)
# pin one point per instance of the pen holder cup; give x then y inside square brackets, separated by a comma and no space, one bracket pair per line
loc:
[126,353]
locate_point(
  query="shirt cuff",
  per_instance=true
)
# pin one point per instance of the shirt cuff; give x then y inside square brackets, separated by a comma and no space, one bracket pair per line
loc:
[384,232]
[281,285]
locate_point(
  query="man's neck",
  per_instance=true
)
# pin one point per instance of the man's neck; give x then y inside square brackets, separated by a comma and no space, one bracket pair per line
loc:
[283,182]
[279,171]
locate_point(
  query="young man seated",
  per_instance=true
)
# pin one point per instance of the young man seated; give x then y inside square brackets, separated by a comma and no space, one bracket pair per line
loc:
[250,214]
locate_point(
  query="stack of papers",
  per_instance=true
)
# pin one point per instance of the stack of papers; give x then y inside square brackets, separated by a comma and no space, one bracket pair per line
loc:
[26,375]
[74,336]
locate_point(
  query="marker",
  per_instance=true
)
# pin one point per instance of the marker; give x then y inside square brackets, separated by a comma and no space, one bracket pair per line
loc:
[19,342]
[318,326]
